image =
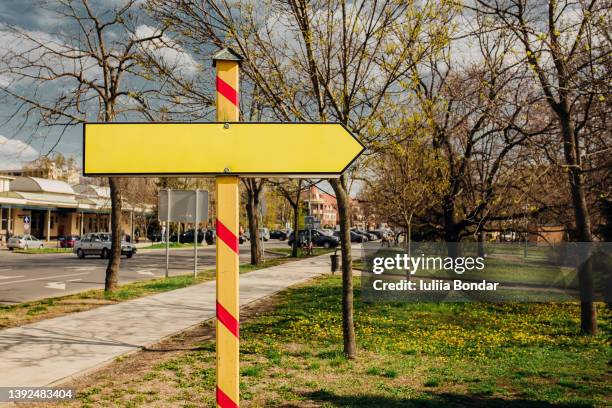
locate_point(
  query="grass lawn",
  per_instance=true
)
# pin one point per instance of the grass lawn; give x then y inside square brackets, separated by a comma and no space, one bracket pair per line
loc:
[29,312]
[410,355]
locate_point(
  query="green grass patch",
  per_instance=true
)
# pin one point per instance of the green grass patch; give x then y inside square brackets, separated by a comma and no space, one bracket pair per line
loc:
[410,355]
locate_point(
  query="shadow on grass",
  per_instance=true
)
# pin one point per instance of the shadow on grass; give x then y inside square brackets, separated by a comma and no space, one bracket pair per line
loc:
[432,401]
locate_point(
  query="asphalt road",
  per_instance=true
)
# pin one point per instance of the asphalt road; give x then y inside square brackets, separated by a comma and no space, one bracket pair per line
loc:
[25,277]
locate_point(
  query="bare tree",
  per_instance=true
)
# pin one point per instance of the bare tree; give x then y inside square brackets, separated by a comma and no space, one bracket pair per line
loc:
[254,189]
[319,61]
[89,67]
[407,177]
[292,191]
[567,46]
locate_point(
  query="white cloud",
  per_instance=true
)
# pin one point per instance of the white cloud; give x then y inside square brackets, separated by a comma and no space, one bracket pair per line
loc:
[14,153]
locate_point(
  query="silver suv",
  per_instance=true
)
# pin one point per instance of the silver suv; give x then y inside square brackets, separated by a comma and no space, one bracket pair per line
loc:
[100,244]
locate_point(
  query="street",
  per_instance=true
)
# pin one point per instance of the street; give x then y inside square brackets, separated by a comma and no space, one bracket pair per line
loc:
[25,277]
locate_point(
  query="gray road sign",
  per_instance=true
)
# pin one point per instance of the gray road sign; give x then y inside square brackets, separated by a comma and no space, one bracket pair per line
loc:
[182,205]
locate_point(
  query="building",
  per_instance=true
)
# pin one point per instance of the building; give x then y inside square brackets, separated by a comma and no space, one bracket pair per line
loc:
[46,168]
[323,206]
[49,208]
[358,216]
[549,234]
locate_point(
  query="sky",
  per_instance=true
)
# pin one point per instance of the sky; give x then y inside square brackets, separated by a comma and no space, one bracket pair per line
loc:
[18,143]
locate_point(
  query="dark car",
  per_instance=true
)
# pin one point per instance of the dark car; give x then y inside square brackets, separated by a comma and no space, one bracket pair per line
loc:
[371,236]
[68,241]
[355,237]
[278,234]
[377,233]
[319,238]
[154,232]
[187,237]
[210,236]
[365,236]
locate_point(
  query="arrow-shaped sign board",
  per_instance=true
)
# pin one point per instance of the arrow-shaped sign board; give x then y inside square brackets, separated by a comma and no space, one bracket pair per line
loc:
[244,148]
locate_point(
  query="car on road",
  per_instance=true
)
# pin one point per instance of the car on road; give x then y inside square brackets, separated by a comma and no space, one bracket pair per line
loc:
[210,236]
[187,237]
[320,238]
[264,234]
[278,234]
[100,244]
[68,241]
[355,237]
[371,236]
[25,241]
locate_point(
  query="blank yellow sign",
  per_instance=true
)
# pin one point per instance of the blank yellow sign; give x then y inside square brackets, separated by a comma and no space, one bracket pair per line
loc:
[280,149]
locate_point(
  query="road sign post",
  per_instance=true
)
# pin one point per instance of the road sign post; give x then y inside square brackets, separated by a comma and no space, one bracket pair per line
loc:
[168,234]
[227,65]
[188,206]
[225,149]
[195,233]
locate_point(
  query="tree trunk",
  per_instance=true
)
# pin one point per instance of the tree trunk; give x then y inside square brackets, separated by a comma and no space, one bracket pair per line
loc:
[296,221]
[112,269]
[348,327]
[481,243]
[451,231]
[588,309]
[252,208]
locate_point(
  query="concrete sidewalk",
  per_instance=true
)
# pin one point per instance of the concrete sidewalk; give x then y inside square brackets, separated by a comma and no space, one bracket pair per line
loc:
[53,350]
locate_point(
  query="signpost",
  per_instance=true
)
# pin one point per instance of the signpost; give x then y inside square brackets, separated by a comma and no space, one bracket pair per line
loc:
[311,222]
[225,149]
[180,206]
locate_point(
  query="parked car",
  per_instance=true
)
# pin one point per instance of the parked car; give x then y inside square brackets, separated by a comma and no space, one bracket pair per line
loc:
[264,234]
[319,238]
[278,234]
[68,241]
[378,233]
[371,235]
[210,236]
[187,237]
[355,237]
[244,237]
[154,236]
[24,242]
[100,244]
[367,236]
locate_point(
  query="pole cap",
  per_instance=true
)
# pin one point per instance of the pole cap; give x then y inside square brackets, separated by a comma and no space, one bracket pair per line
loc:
[227,54]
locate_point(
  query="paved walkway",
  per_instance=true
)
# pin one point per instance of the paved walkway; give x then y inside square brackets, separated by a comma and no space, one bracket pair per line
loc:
[53,350]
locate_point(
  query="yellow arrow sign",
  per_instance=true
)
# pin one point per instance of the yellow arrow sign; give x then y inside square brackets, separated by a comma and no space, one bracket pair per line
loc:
[291,149]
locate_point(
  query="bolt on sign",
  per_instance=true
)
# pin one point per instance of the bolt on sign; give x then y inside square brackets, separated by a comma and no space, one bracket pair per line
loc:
[226,149]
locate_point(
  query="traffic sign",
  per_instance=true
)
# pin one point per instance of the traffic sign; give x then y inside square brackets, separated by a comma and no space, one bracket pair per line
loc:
[182,206]
[219,148]
[26,220]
